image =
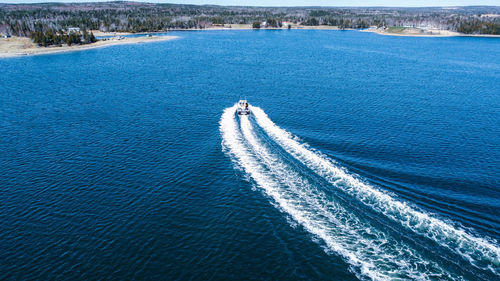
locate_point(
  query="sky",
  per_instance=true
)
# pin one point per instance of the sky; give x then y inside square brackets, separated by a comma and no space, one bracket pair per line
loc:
[390,3]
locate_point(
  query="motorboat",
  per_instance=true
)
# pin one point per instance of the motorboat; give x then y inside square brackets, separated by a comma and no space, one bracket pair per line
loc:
[242,108]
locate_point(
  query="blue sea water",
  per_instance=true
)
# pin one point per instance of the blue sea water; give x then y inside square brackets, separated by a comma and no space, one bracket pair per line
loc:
[365,157]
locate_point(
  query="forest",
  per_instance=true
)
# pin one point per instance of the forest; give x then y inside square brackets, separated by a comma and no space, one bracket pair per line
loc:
[57,38]
[36,19]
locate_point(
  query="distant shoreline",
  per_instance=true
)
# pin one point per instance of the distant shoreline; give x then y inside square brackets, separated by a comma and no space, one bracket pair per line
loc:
[23,46]
[224,27]
[406,32]
[418,32]
[137,17]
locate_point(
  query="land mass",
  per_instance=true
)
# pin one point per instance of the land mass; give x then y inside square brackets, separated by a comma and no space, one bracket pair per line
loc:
[23,19]
[22,46]
[29,29]
[422,32]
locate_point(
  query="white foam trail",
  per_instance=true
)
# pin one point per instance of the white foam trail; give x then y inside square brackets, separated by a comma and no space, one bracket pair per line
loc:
[342,231]
[480,252]
[362,246]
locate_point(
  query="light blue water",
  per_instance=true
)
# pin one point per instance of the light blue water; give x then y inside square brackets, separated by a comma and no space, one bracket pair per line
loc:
[365,157]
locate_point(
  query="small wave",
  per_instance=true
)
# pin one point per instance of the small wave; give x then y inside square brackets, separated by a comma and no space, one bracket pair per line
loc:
[480,252]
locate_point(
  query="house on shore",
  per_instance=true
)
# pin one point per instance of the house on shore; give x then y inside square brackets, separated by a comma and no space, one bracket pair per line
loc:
[73,29]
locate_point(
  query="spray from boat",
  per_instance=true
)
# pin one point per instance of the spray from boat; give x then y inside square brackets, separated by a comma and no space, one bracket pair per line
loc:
[370,251]
[480,252]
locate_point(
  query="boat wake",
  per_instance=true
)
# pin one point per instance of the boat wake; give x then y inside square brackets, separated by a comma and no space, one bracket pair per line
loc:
[372,252]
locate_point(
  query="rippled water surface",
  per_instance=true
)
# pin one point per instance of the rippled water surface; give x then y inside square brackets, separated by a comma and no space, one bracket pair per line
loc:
[365,157]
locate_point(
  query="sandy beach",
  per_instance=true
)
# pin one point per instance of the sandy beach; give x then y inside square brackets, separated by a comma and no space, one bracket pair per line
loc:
[418,32]
[22,46]
[413,32]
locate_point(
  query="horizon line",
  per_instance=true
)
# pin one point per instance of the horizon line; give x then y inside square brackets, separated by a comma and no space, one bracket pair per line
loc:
[249,6]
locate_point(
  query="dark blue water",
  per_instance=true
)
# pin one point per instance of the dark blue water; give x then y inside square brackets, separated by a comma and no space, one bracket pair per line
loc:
[365,157]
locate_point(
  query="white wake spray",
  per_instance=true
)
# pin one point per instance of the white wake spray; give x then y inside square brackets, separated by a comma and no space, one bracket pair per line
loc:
[369,251]
[480,252]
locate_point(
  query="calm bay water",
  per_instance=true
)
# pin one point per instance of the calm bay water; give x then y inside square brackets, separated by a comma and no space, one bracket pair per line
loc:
[366,157]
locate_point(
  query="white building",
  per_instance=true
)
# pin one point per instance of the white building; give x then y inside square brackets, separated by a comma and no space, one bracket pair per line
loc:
[73,29]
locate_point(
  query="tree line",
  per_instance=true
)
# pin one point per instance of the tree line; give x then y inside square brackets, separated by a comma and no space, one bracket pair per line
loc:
[478,27]
[25,19]
[57,38]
